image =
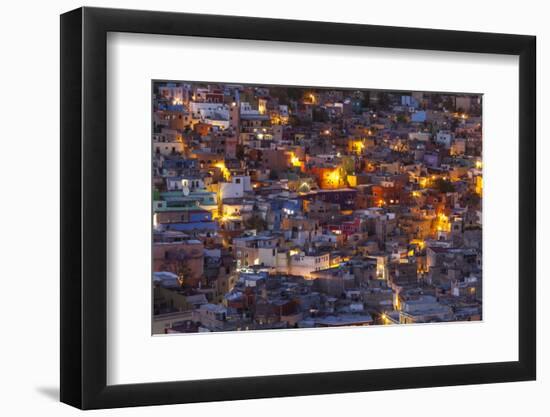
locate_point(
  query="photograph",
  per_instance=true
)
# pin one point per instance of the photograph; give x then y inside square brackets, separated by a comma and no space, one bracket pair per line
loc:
[245,208]
[281,207]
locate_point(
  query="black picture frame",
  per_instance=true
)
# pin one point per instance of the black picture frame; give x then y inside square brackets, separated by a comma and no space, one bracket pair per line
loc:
[84,207]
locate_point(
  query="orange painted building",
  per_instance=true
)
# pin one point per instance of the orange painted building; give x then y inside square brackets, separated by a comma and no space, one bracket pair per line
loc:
[328,178]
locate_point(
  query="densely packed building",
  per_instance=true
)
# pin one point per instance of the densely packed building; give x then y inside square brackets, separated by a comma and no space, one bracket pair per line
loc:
[284,207]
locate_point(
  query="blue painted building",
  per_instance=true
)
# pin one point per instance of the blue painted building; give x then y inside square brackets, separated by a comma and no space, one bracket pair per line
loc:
[418,116]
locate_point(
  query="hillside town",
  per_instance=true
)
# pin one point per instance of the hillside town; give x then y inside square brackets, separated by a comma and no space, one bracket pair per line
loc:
[294,207]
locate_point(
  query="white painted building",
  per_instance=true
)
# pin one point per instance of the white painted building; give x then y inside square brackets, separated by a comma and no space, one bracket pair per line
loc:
[248,110]
[215,114]
[192,183]
[231,190]
[304,264]
[244,180]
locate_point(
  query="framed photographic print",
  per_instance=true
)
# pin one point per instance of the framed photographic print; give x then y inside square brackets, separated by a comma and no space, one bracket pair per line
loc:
[257,208]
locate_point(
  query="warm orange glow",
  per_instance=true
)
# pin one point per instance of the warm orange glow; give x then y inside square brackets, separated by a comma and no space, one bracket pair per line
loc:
[304,187]
[479,185]
[331,177]
[277,119]
[423,182]
[226,217]
[396,303]
[334,177]
[294,160]
[352,180]
[356,146]
[418,242]
[262,107]
[380,270]
[225,172]
[442,223]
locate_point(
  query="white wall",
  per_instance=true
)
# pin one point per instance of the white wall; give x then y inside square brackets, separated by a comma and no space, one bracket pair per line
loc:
[30,329]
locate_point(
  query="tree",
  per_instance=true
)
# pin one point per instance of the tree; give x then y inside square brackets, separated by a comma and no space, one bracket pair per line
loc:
[320,115]
[294,94]
[444,186]
[402,118]
[366,101]
[449,103]
[280,94]
[348,165]
[383,99]
[255,222]
[156,194]
[471,200]
[239,153]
